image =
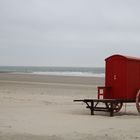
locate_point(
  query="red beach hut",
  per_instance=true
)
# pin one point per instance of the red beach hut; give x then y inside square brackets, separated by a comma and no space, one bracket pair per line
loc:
[122,85]
[122,79]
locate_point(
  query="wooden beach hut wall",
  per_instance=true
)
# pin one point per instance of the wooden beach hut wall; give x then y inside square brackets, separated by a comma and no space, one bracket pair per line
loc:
[122,77]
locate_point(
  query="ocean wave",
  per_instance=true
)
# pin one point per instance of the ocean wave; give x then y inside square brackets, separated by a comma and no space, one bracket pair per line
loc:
[85,74]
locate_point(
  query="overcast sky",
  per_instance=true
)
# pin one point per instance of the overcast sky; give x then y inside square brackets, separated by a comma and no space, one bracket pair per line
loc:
[67,32]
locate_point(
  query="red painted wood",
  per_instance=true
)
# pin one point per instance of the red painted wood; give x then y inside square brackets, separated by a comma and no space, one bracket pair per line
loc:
[123,76]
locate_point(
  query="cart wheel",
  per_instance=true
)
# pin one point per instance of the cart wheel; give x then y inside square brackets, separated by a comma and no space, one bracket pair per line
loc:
[138,101]
[116,106]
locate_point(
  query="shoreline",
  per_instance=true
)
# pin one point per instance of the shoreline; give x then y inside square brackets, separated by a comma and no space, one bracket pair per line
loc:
[25,77]
[51,70]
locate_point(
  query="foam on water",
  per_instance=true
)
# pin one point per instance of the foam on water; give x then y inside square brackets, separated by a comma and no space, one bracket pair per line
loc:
[65,71]
[85,74]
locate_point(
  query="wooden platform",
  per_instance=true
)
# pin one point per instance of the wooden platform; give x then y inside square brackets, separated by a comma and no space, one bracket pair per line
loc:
[110,104]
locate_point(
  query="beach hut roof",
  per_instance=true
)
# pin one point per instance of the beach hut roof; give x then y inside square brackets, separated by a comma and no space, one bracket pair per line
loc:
[124,57]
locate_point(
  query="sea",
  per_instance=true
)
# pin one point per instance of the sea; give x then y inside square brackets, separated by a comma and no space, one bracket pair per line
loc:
[62,71]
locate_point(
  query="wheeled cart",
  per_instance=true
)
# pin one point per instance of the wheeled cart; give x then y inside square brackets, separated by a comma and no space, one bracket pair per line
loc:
[122,85]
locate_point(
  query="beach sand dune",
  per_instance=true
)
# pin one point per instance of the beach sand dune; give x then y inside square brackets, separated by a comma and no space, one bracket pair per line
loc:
[36,107]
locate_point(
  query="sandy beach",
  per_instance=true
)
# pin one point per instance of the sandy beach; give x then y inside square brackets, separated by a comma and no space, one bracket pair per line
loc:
[41,107]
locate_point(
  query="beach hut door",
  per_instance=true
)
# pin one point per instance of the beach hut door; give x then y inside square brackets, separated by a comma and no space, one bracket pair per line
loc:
[118,81]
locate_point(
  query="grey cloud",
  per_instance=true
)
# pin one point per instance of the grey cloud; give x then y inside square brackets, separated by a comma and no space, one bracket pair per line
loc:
[102,27]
